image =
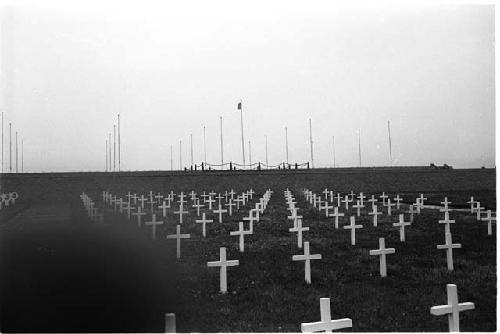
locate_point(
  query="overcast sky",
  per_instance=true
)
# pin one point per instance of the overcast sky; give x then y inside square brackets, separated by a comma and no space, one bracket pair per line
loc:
[66,71]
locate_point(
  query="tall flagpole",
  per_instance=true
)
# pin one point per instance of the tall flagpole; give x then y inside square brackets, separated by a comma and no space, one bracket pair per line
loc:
[119,150]
[333,151]
[267,161]
[10,147]
[359,146]
[242,137]
[390,143]
[2,141]
[191,139]
[109,152]
[221,145]
[17,170]
[311,140]
[286,143]
[114,147]
[180,154]
[106,155]
[204,144]
[171,157]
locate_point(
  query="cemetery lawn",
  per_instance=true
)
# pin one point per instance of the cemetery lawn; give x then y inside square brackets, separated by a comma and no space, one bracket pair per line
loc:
[114,278]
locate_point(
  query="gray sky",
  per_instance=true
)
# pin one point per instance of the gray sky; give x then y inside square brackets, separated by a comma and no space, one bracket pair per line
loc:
[66,71]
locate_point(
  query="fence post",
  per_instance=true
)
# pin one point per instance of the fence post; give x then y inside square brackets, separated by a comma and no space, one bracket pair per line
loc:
[170,323]
[230,165]
[308,165]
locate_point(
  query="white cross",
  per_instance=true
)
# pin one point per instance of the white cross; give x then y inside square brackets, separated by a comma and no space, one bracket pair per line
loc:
[220,211]
[478,210]
[325,192]
[489,219]
[445,203]
[134,197]
[338,197]
[336,214]
[159,197]
[128,207]
[326,207]
[181,212]
[250,217]
[346,201]
[241,233]
[197,205]
[401,226]
[179,236]
[353,228]
[232,193]
[223,264]
[251,192]
[204,221]
[139,215]
[361,198]
[471,202]
[446,221]
[299,229]
[142,199]
[358,207]
[398,200]
[307,257]
[383,196]
[373,200]
[449,245]
[326,324]
[230,205]
[389,206]
[452,309]
[210,201]
[375,213]
[382,251]
[164,207]
[181,198]
[153,223]
[352,195]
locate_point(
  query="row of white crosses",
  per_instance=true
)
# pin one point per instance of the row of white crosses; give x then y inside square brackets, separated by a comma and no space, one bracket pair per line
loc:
[313,199]
[475,207]
[91,208]
[298,228]
[6,199]
[223,263]
[451,309]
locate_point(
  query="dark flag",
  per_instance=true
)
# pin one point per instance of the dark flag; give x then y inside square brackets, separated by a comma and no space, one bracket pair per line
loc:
[239,105]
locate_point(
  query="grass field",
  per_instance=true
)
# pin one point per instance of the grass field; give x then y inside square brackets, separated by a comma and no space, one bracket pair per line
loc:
[67,274]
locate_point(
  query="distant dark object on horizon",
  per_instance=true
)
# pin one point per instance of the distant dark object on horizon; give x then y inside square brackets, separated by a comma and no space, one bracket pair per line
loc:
[445,166]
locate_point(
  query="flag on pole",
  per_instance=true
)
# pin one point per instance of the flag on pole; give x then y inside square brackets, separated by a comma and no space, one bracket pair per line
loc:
[239,105]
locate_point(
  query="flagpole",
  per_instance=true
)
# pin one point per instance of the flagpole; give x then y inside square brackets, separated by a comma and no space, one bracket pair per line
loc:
[286,143]
[390,143]
[10,147]
[221,145]
[17,170]
[191,139]
[267,161]
[2,141]
[119,150]
[204,144]
[311,141]
[242,137]
[359,146]
[333,151]
[114,148]
[180,154]
[106,155]
[109,152]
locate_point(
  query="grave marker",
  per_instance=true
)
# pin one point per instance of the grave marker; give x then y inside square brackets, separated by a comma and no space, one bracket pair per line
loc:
[336,214]
[326,324]
[382,252]
[353,228]
[179,236]
[307,257]
[153,224]
[241,233]
[449,245]
[204,221]
[401,226]
[223,264]
[452,309]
